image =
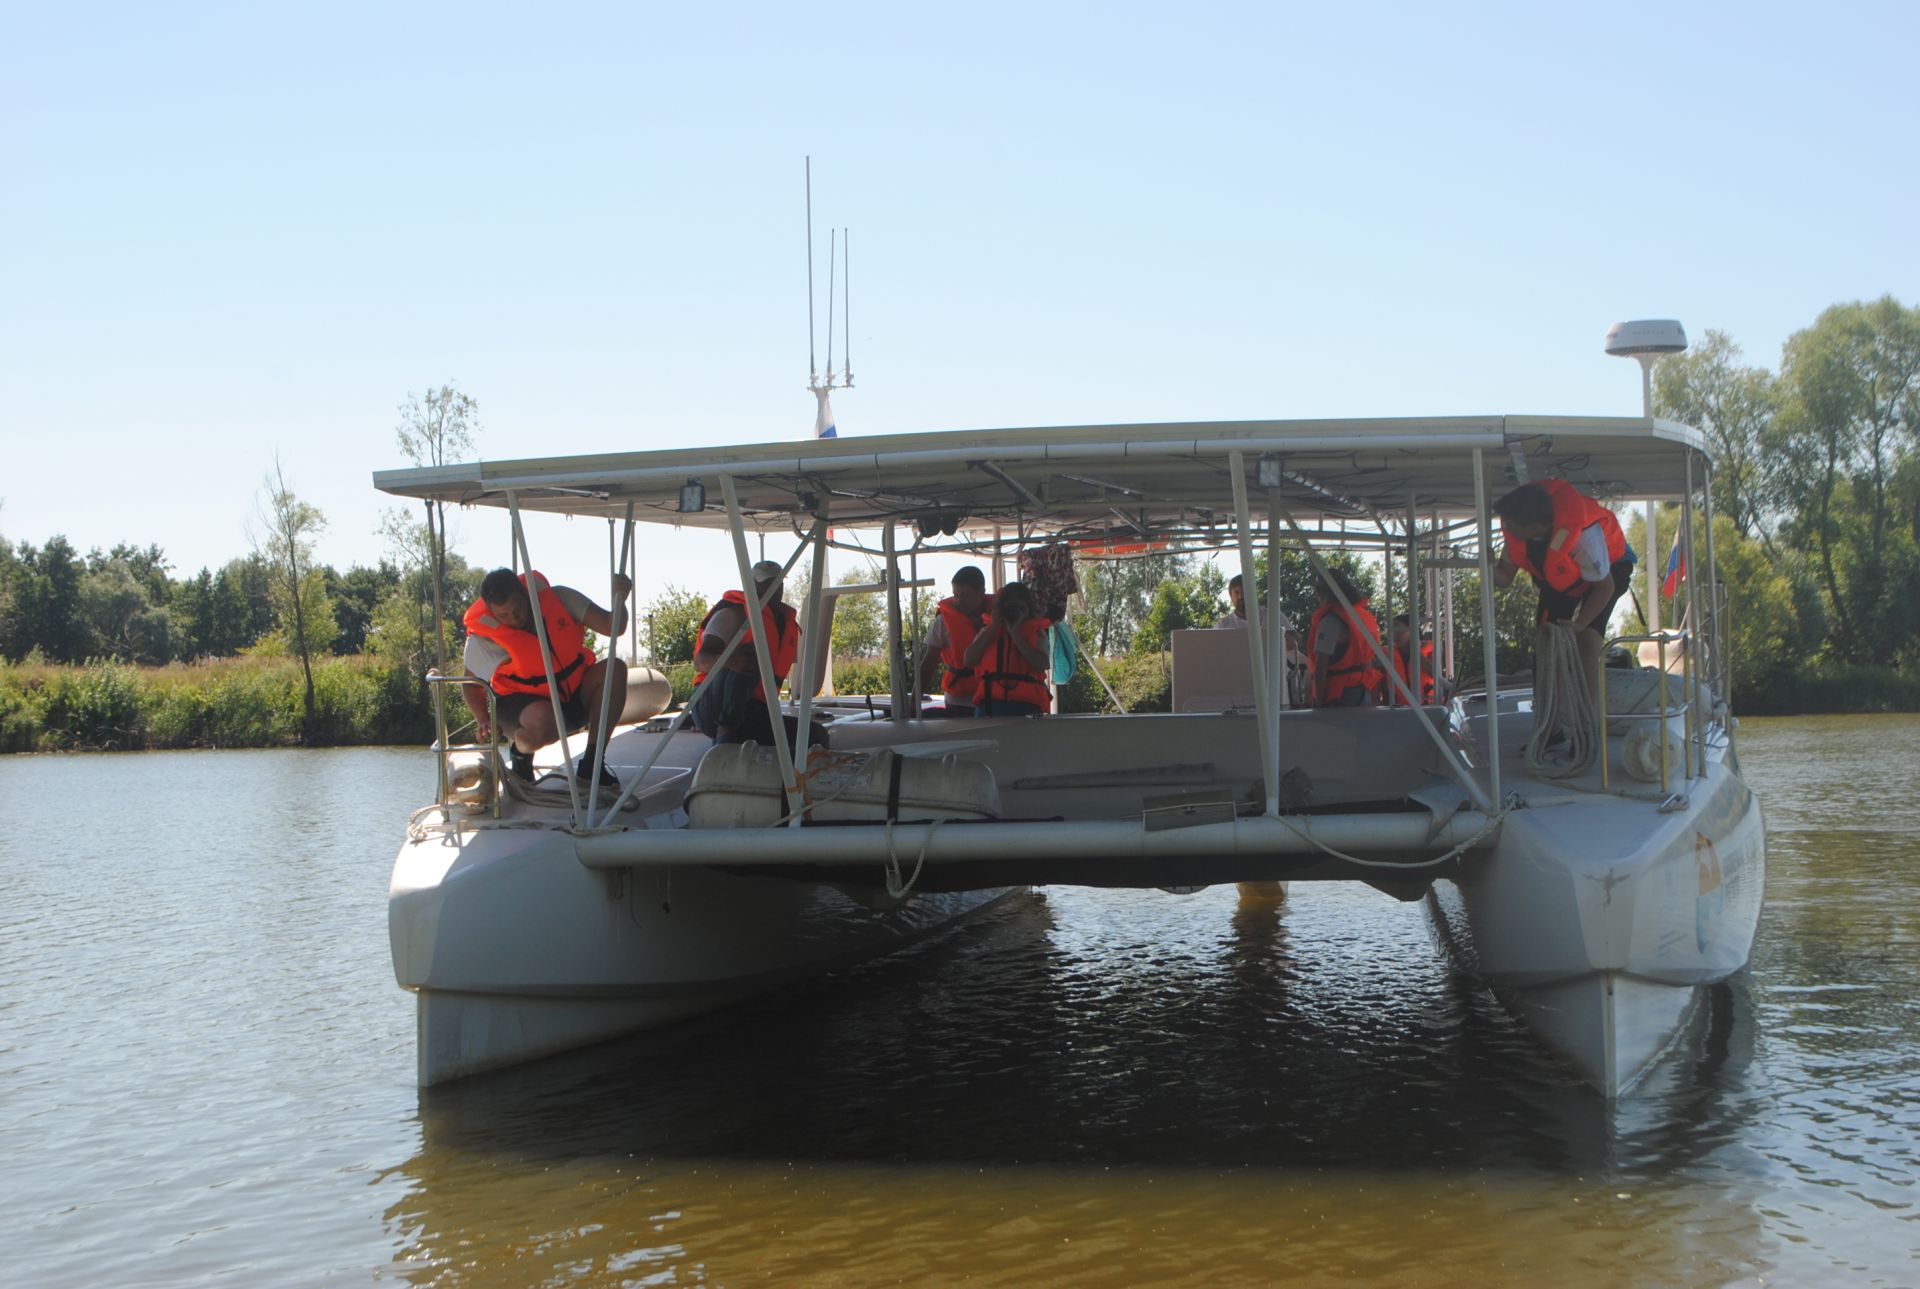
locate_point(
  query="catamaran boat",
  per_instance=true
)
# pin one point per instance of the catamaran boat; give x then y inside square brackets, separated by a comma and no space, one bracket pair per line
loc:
[1596,894]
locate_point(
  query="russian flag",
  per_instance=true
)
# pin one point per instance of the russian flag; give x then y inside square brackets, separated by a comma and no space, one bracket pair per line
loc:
[1676,569]
[823,426]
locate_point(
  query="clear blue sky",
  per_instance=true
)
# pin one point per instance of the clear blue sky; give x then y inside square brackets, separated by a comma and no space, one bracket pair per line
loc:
[235,230]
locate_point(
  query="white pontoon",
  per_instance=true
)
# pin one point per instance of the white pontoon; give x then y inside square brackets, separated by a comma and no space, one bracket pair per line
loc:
[1595,903]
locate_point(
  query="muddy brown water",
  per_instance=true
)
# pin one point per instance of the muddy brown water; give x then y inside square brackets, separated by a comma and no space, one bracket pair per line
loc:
[206,1075]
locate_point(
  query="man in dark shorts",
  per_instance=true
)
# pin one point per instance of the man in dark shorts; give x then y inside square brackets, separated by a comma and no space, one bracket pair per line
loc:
[503,649]
[1577,555]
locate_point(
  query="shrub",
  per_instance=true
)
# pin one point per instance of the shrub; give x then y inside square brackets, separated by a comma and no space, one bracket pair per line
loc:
[97,706]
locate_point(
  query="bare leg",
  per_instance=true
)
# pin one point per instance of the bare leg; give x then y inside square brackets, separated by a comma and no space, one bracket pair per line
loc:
[1590,643]
[608,671]
[536,728]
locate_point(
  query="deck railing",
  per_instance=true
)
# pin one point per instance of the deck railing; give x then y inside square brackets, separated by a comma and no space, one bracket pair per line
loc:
[438,683]
[1664,712]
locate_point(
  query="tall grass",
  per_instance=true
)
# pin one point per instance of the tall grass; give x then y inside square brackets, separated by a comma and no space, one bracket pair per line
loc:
[229,702]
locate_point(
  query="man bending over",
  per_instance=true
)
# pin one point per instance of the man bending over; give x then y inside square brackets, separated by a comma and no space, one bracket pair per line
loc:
[503,650]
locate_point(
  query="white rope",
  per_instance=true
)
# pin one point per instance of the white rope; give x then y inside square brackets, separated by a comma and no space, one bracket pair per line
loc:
[895,887]
[1563,712]
[1492,825]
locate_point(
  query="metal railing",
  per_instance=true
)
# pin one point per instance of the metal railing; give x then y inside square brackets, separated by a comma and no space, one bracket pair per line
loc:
[438,682]
[1664,712]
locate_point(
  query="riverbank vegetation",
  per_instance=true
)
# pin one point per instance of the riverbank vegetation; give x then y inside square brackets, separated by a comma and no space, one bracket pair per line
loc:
[1817,539]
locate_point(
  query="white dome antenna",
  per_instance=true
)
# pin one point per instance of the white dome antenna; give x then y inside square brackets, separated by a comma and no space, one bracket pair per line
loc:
[1646,341]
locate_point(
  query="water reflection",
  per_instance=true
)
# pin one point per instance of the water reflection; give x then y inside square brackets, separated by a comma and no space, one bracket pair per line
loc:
[205,1068]
[1151,1046]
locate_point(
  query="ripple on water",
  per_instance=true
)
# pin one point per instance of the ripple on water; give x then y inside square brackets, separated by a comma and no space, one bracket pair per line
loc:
[206,1067]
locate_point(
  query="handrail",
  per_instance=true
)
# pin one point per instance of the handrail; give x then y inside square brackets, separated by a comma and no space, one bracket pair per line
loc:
[1664,714]
[437,682]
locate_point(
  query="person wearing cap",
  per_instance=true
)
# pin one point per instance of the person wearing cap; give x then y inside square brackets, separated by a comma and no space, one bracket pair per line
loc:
[733,709]
[960,617]
[503,651]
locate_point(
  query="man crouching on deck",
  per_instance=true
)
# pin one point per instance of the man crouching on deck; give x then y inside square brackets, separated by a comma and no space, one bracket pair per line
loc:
[503,649]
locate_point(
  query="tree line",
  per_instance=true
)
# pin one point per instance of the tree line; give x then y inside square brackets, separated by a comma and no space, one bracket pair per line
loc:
[1817,484]
[1817,534]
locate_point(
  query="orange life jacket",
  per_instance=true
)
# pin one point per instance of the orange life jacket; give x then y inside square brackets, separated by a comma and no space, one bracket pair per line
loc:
[523,672]
[962,683]
[1429,688]
[1573,514]
[1011,679]
[782,631]
[1354,665]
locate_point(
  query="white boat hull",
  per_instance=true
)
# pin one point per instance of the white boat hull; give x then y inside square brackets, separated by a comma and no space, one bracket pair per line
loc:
[543,955]
[1597,919]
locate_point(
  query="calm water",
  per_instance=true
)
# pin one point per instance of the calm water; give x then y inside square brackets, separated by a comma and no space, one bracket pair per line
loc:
[206,1073]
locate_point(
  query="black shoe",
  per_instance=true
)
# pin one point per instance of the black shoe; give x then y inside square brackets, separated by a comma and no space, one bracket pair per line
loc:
[583,770]
[520,764]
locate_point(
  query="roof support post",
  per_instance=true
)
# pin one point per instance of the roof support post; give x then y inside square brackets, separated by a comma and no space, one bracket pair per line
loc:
[1264,712]
[1276,642]
[1695,668]
[755,610]
[1413,600]
[896,680]
[605,728]
[1460,770]
[1484,521]
[813,641]
[546,655]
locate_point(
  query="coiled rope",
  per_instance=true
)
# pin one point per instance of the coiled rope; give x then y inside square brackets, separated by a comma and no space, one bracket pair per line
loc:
[1566,725]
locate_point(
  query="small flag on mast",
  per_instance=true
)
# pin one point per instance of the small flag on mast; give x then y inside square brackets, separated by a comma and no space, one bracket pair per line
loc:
[1676,569]
[823,426]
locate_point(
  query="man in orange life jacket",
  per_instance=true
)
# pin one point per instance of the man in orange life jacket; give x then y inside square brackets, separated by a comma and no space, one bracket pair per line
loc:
[1402,652]
[1577,555]
[961,617]
[733,709]
[1011,656]
[1340,647]
[503,649]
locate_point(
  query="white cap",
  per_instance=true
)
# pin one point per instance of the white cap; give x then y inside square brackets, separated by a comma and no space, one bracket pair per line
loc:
[766,571]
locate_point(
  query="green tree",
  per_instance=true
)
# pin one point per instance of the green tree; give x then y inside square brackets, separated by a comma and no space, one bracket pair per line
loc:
[46,603]
[122,621]
[435,428]
[1117,594]
[218,615]
[672,623]
[356,595]
[1182,603]
[1847,429]
[289,527]
[859,621]
[1708,388]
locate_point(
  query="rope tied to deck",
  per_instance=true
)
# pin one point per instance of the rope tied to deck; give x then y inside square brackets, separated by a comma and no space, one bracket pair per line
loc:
[1566,725]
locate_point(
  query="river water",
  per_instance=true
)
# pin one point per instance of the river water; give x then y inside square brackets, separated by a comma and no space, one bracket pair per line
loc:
[206,1074]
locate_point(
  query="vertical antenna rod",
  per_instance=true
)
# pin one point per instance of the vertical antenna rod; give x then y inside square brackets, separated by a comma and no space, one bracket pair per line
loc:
[832,245]
[812,371]
[846,314]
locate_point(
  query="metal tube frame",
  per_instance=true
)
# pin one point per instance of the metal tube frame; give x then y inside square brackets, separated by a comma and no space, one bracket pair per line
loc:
[1485,524]
[1264,712]
[546,657]
[769,684]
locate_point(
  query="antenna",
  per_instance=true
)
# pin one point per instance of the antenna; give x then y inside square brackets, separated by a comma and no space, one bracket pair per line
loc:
[846,314]
[812,372]
[832,245]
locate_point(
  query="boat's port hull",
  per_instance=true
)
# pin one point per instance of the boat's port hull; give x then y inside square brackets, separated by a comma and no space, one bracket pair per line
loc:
[1598,919]
[550,955]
